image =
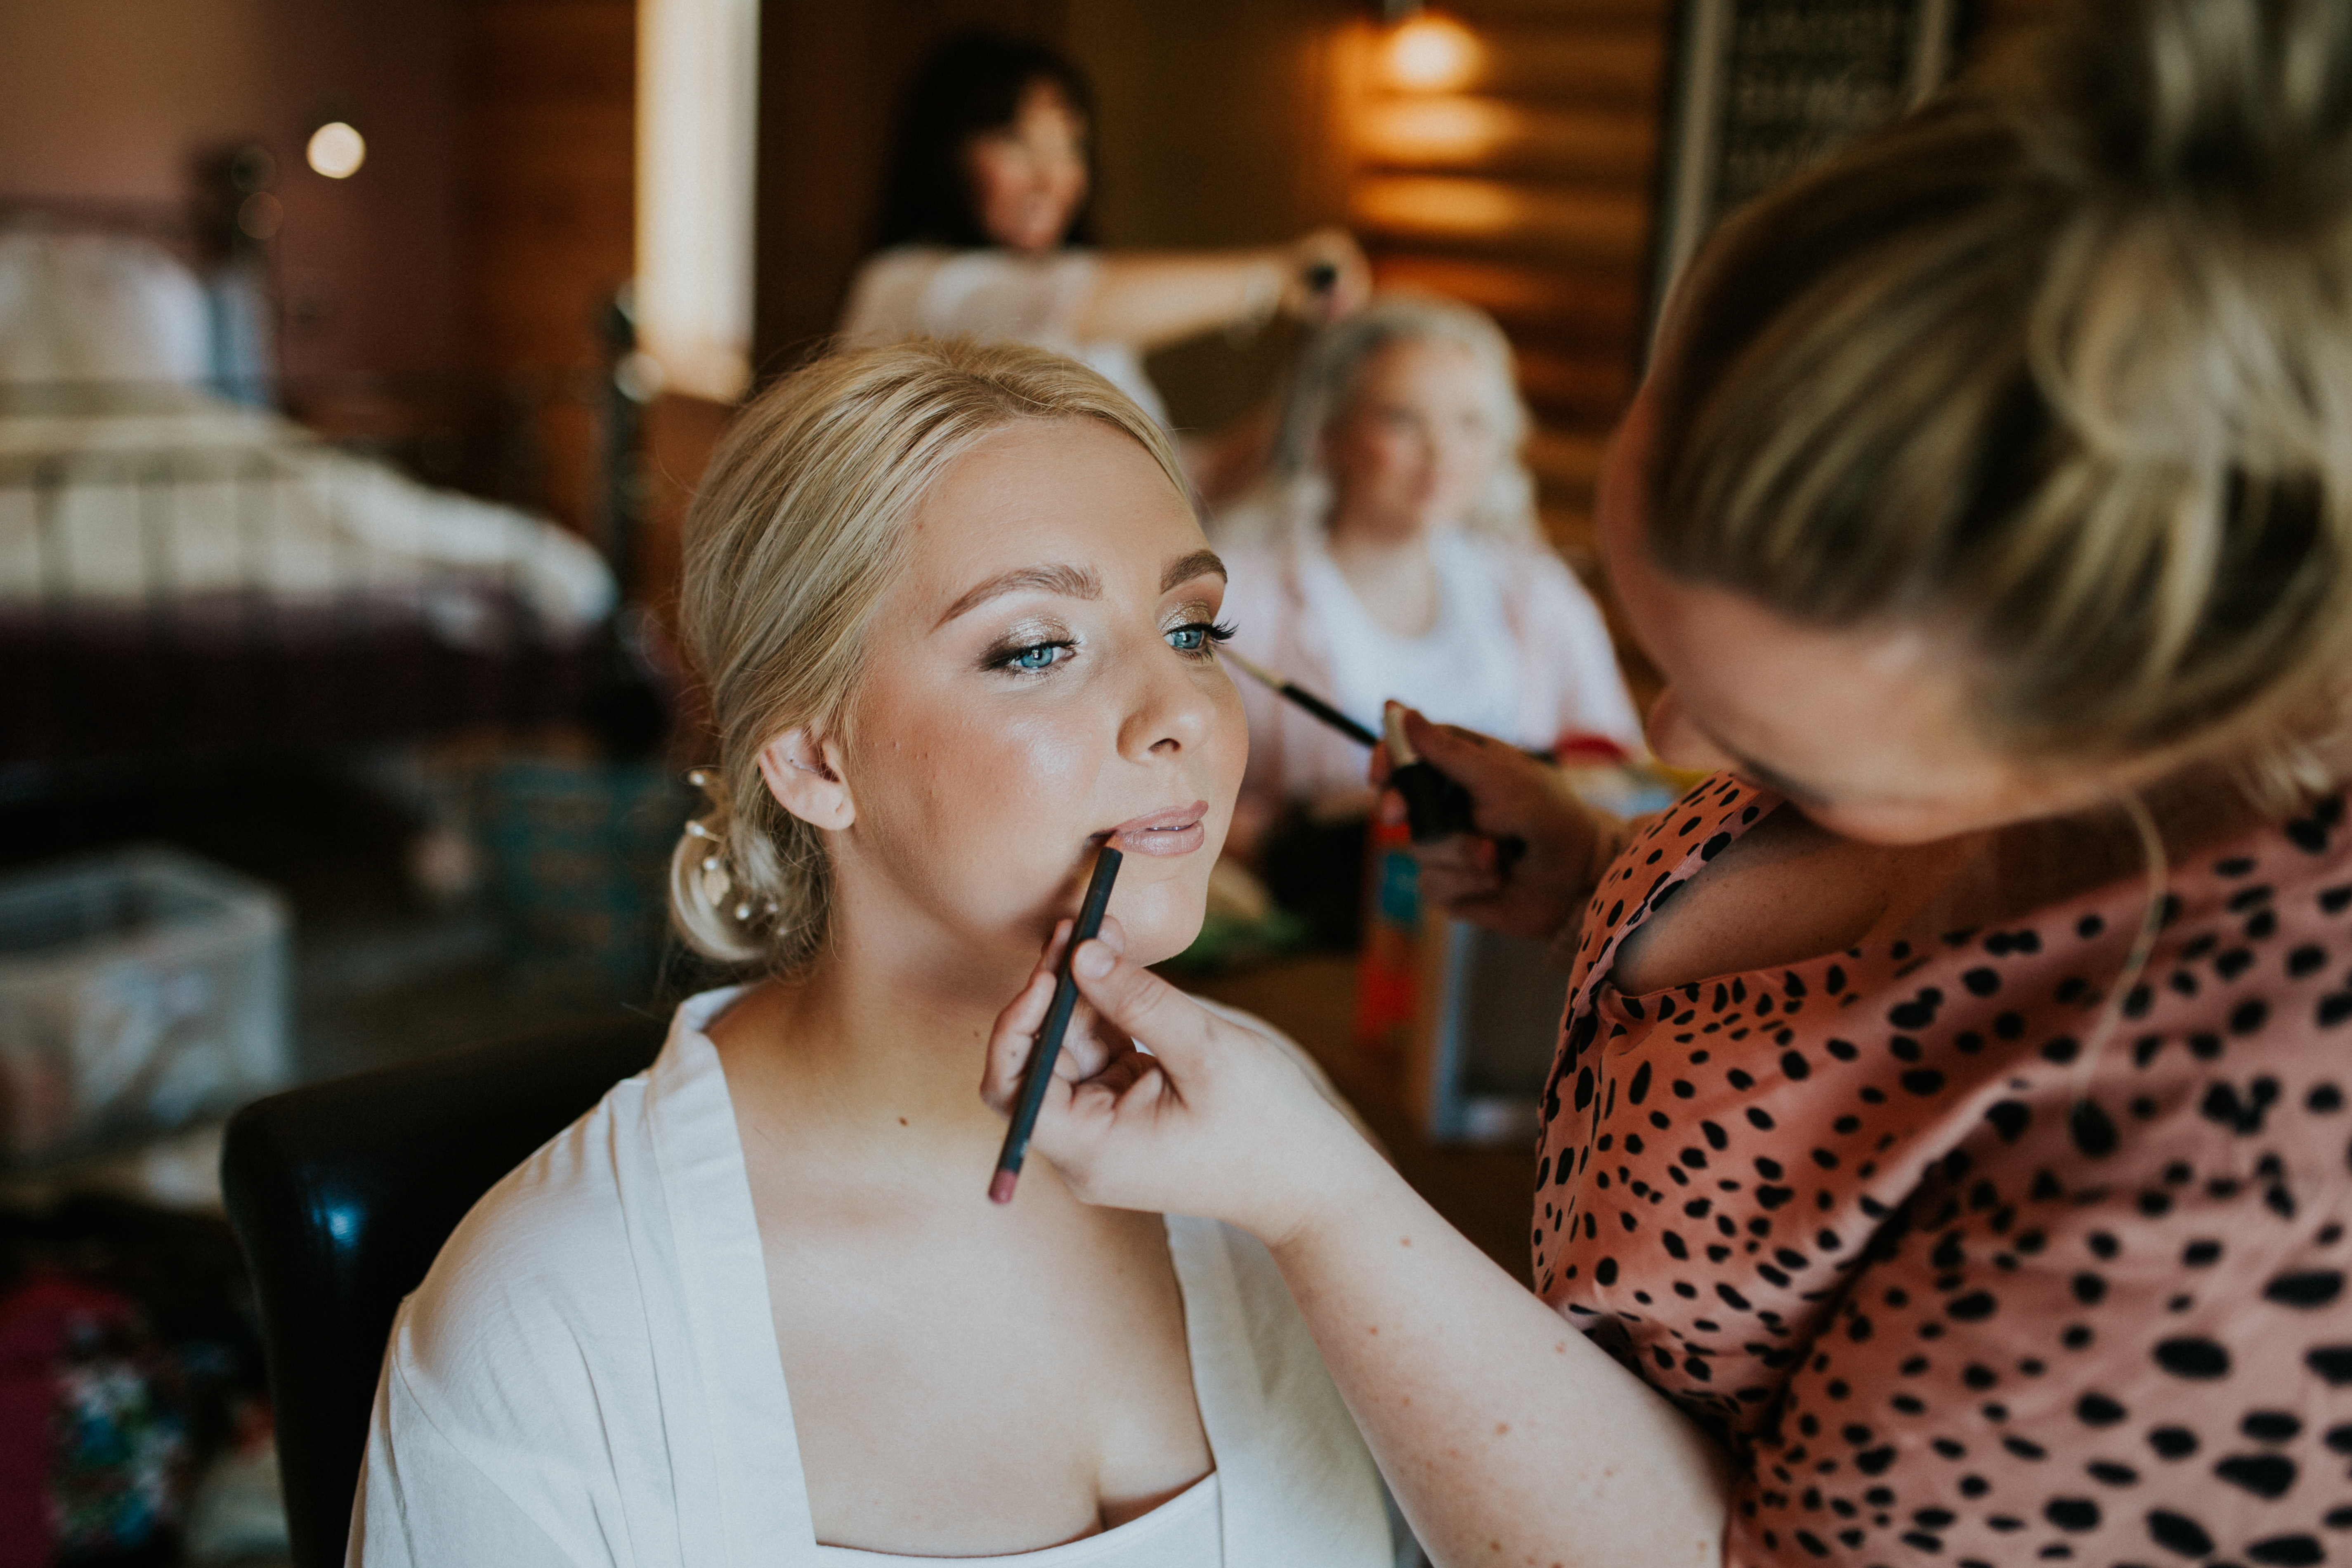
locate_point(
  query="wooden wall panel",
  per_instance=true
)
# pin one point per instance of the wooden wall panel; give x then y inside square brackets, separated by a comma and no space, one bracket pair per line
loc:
[550,175]
[1593,58]
[549,208]
[1539,220]
[1521,180]
[1493,135]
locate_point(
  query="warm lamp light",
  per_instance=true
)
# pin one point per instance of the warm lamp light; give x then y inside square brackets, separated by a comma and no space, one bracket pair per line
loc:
[1431,54]
[336,151]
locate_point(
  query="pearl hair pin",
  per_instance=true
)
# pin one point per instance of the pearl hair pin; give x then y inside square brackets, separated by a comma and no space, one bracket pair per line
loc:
[716,883]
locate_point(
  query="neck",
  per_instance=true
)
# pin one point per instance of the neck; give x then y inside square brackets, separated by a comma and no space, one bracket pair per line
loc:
[1392,575]
[1360,533]
[881,1034]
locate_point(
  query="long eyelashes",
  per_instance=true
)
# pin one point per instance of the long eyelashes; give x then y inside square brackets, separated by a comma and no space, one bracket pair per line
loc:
[1192,640]
[1031,658]
[1197,639]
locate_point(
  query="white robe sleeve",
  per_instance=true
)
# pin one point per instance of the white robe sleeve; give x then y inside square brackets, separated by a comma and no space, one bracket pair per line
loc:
[423,1504]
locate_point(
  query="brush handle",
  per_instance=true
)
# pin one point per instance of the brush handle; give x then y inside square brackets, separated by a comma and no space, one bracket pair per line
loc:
[1357,732]
[1040,1073]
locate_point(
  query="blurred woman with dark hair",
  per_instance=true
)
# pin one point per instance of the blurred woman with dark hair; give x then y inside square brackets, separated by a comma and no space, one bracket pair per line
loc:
[986,229]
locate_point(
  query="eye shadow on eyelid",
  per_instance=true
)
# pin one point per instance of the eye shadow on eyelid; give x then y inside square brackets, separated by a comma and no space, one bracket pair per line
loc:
[1020,639]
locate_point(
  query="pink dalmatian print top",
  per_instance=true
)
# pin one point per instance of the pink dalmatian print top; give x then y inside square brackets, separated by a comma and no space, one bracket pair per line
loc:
[1853,1215]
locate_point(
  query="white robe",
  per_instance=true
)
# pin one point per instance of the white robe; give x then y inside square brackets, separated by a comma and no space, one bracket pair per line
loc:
[590,1375]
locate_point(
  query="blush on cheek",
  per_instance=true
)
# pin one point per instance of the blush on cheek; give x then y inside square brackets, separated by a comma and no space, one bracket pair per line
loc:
[1022,795]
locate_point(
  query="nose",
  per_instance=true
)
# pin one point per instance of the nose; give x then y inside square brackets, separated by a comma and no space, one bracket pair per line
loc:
[1169,709]
[1678,742]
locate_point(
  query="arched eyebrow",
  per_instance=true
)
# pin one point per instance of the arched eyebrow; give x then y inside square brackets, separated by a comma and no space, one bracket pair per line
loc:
[1076,581]
[1070,582]
[1184,568]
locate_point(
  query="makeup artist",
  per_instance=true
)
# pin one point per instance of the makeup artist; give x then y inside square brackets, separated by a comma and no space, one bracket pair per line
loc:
[1946,1158]
[987,228]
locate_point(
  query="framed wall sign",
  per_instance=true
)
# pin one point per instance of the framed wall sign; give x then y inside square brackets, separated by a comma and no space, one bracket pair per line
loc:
[1758,88]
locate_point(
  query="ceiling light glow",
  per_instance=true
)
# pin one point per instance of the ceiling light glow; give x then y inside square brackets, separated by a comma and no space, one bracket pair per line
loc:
[1431,54]
[336,151]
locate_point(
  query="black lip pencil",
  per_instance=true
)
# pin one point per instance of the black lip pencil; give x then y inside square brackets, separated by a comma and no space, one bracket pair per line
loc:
[1040,1073]
[1304,698]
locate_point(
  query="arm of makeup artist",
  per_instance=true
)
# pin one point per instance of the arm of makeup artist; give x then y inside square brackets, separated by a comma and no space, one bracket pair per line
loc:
[1508,1437]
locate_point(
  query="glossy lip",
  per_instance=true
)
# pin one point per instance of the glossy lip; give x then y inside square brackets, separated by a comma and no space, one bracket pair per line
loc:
[1179,830]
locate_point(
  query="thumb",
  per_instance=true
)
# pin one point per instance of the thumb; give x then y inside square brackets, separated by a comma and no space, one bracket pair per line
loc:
[1460,755]
[1155,1015]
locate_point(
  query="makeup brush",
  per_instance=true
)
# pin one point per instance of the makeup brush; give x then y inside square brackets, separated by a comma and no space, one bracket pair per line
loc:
[1303,698]
[1048,1048]
[1436,807]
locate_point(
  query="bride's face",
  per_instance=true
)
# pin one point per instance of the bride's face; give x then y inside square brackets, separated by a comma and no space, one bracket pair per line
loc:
[1041,679]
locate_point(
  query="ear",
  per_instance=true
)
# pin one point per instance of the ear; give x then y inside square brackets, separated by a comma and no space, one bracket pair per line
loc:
[804,773]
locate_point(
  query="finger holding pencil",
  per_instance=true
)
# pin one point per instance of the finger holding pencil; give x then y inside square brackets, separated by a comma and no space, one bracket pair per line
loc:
[1039,1074]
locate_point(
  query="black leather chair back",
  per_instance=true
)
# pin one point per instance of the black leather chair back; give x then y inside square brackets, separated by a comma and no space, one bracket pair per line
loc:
[342,1193]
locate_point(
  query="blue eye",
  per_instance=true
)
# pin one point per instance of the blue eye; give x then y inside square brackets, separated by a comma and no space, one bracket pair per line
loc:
[1036,657]
[1195,636]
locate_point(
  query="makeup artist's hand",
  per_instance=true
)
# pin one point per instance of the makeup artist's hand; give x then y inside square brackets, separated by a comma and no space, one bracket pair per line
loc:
[1569,844]
[1210,1118]
[1088,1046]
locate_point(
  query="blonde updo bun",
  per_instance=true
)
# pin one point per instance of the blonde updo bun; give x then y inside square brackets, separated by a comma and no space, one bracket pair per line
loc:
[2062,365]
[797,531]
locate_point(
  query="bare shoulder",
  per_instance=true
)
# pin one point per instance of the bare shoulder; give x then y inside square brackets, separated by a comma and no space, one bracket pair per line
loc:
[1784,892]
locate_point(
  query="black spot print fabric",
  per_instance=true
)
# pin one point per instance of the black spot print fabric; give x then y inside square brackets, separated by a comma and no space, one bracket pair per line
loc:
[1855,1215]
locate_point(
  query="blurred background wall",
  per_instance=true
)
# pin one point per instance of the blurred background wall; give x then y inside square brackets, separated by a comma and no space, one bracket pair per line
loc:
[1503,151]
[113,100]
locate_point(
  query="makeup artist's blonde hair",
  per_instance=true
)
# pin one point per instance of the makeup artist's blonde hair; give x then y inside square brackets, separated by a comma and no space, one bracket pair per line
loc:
[798,529]
[2060,366]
